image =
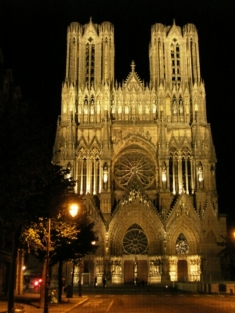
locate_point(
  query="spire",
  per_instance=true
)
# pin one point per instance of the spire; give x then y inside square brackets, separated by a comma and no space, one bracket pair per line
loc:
[132,66]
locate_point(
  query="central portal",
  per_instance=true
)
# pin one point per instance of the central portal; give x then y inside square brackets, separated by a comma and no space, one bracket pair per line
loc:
[182,270]
[135,271]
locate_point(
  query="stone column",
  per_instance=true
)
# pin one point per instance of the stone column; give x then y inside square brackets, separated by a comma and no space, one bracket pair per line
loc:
[173,171]
[101,178]
[168,176]
[180,174]
[109,180]
[95,178]
[186,175]
[88,176]
[81,181]
[192,175]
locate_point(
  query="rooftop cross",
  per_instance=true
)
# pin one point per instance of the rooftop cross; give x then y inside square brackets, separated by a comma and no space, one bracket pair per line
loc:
[132,66]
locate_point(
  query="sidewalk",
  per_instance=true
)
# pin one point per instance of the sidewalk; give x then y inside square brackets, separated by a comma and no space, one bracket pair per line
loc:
[30,304]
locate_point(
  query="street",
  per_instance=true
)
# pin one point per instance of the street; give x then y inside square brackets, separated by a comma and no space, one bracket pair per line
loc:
[165,302]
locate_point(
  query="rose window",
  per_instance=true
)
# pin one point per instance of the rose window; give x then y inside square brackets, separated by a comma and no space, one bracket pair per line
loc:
[134,166]
[182,245]
[135,241]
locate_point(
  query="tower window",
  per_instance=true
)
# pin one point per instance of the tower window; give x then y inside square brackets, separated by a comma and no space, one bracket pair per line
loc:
[90,61]
[175,60]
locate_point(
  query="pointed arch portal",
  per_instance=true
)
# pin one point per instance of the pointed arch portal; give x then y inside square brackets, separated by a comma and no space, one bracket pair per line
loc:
[182,268]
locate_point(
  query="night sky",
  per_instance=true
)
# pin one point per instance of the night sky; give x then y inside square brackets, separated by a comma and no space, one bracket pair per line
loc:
[33,41]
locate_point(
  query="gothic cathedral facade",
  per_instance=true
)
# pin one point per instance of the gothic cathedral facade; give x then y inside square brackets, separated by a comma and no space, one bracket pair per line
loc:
[143,157]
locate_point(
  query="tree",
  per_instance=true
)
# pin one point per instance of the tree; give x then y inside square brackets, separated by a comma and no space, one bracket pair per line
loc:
[30,186]
[227,256]
[70,240]
[77,248]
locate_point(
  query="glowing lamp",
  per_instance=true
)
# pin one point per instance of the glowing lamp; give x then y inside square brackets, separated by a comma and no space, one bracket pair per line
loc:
[73,209]
[105,172]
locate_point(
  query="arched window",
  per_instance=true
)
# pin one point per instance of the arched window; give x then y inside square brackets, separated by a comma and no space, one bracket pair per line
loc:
[175,62]
[186,174]
[181,246]
[180,171]
[90,64]
[173,171]
[135,241]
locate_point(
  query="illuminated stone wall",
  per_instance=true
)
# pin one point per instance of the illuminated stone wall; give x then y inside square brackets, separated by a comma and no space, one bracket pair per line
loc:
[142,155]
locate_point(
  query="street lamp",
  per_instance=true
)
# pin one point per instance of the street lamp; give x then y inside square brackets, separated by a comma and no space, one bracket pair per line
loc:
[73,210]
[47,280]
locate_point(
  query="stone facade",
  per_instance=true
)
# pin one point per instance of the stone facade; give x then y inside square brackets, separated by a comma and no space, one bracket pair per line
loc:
[143,157]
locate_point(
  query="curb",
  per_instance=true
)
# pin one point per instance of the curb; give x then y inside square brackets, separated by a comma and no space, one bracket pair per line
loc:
[76,305]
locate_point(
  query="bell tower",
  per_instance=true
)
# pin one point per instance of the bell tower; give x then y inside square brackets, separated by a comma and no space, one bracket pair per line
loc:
[83,132]
[90,54]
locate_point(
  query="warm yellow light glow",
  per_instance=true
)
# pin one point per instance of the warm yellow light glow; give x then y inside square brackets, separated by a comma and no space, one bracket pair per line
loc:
[93,243]
[105,177]
[234,234]
[73,209]
[105,173]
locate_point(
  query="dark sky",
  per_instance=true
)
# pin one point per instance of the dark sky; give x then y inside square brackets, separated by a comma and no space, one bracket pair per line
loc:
[33,40]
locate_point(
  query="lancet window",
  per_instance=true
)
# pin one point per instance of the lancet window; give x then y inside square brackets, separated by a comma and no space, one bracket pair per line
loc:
[90,61]
[92,105]
[193,59]
[180,173]
[175,62]
[89,181]
[181,107]
[85,108]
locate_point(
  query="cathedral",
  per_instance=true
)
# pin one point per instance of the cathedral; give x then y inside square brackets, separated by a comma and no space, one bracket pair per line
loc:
[142,156]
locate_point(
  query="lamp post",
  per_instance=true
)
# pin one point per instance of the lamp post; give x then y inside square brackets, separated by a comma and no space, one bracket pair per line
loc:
[80,278]
[73,210]
[47,276]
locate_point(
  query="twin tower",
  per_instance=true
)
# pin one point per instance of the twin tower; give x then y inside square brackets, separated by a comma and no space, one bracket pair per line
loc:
[142,154]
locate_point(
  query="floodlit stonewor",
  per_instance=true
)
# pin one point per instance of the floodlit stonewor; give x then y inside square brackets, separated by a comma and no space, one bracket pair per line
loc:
[143,157]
